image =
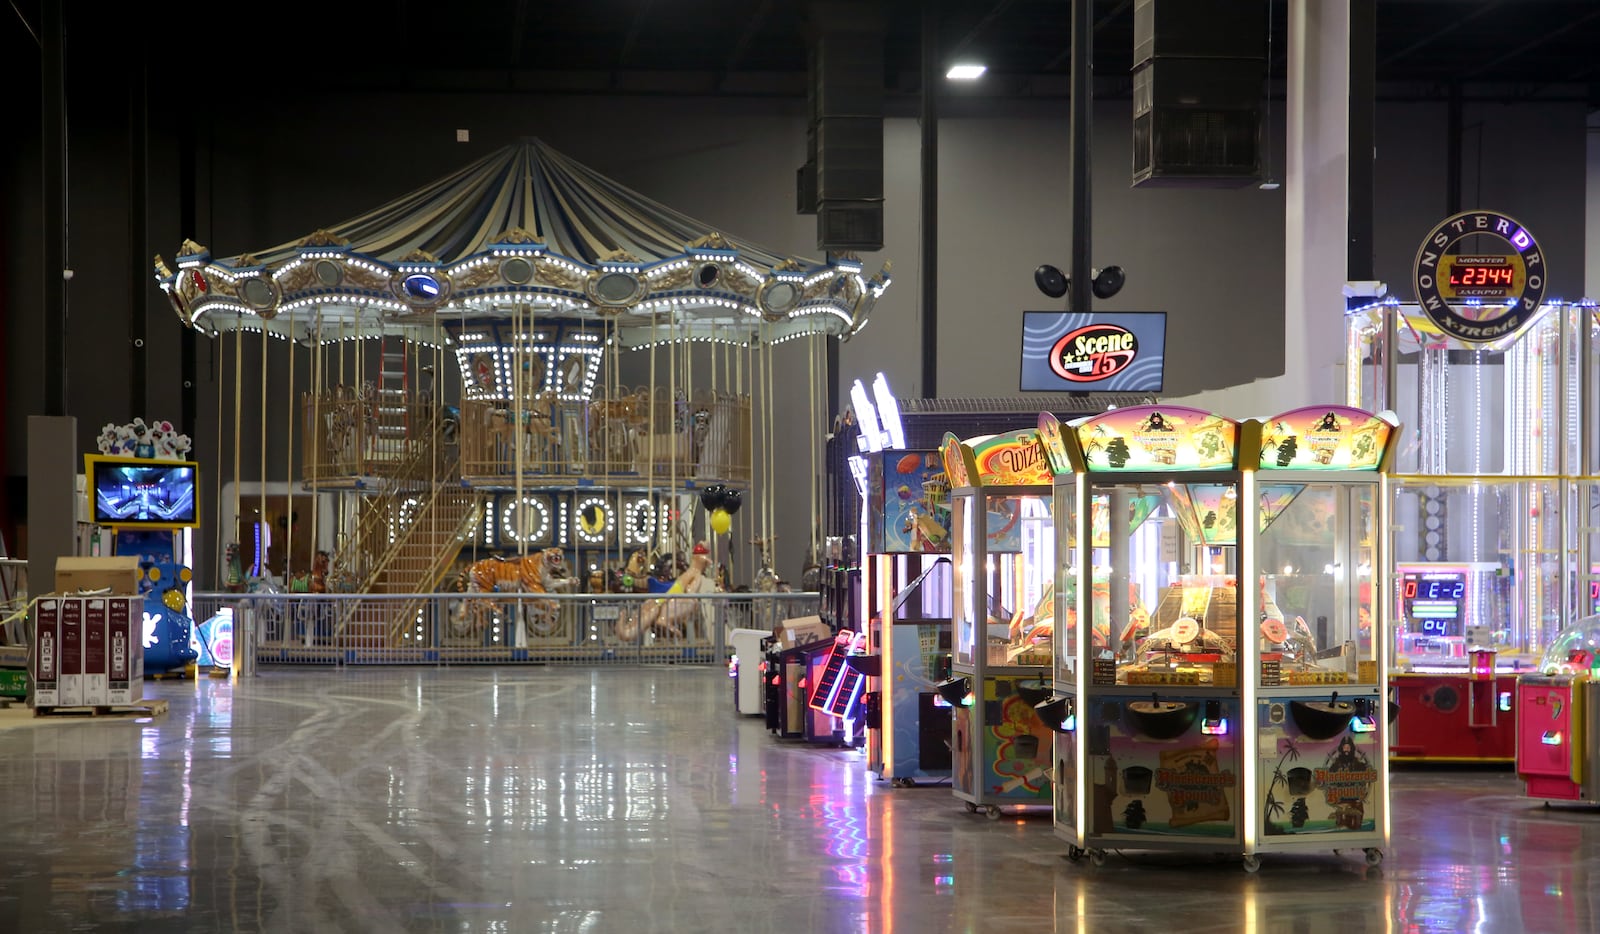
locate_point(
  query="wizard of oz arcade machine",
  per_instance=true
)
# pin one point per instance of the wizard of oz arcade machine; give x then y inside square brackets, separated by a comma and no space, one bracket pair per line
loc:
[1494,545]
[1192,712]
[1003,547]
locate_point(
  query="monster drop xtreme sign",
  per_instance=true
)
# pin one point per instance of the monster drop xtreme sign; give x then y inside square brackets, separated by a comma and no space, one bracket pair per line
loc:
[1480,276]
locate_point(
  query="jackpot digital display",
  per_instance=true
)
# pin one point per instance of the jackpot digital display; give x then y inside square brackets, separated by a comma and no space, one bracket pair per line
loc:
[1480,276]
[161,494]
[1433,601]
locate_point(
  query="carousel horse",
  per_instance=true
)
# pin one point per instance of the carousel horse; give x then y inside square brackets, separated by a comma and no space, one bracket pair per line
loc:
[541,572]
[766,577]
[536,435]
[615,427]
[668,617]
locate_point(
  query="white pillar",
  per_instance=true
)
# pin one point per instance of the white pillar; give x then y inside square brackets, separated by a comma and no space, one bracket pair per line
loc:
[1316,190]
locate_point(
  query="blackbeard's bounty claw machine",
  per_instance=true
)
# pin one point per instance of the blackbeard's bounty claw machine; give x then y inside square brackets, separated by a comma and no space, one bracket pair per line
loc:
[1193,712]
[1003,548]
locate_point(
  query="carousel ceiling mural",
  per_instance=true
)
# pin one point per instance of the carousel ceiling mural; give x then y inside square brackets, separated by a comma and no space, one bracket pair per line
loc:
[523,231]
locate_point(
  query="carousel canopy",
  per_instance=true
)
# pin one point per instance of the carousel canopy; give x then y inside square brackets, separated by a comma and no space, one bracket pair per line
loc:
[522,230]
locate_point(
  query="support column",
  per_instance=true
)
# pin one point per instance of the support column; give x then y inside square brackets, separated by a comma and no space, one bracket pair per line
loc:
[1080,139]
[930,200]
[53,197]
[53,466]
[1316,208]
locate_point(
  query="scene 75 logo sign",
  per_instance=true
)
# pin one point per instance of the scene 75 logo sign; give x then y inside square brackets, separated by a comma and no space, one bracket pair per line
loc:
[1487,294]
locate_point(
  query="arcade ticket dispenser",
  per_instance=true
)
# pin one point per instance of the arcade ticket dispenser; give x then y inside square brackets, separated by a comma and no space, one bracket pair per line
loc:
[1217,683]
[1558,736]
[1003,549]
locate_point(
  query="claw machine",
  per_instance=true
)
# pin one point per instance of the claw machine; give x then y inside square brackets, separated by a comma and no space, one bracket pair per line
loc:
[1217,684]
[1003,550]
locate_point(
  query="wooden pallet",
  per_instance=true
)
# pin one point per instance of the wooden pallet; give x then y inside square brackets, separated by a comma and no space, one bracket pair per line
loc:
[150,708]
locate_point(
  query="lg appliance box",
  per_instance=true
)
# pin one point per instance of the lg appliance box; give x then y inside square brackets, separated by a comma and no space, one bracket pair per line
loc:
[125,648]
[47,653]
[95,685]
[71,653]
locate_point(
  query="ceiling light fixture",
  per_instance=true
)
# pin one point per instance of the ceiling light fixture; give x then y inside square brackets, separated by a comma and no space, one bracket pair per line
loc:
[968,71]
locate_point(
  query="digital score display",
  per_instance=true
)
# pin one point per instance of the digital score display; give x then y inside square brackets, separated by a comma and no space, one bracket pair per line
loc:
[1480,276]
[1434,601]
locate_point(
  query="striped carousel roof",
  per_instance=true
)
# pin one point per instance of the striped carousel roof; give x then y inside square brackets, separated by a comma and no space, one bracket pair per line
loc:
[524,227]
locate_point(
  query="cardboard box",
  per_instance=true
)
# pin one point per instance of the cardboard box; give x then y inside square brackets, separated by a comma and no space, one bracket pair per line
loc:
[47,653]
[125,650]
[802,630]
[71,653]
[120,574]
[95,685]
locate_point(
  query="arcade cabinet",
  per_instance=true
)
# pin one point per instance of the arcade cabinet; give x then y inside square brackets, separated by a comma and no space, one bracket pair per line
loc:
[1558,719]
[152,508]
[1228,695]
[1004,575]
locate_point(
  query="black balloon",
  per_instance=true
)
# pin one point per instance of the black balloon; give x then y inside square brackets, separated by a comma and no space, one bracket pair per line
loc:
[711,497]
[732,500]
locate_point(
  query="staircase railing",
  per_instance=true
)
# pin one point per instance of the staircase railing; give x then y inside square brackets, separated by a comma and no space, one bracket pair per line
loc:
[460,513]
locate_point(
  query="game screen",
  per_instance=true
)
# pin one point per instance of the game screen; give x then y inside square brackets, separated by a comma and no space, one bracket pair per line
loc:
[152,493]
[1432,603]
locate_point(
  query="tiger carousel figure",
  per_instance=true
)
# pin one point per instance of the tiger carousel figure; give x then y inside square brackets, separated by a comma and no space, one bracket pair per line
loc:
[541,572]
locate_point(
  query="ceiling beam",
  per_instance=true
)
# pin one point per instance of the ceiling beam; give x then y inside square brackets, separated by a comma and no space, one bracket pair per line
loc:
[634,28]
[519,22]
[1441,32]
[983,23]
[747,35]
[1533,44]
[1066,54]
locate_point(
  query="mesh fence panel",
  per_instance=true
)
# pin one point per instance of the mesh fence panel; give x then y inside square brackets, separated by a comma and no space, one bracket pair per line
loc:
[495,628]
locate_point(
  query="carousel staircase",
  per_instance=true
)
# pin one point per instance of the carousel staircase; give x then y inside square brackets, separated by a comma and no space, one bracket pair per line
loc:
[408,538]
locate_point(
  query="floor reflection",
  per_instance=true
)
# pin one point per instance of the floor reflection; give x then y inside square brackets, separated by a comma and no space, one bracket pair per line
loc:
[634,800]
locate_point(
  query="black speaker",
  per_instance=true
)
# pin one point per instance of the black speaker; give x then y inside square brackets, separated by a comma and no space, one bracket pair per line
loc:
[1199,73]
[850,225]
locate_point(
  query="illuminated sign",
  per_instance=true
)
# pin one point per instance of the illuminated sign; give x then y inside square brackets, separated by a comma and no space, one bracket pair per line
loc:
[1011,459]
[1157,438]
[1324,437]
[1103,352]
[1479,296]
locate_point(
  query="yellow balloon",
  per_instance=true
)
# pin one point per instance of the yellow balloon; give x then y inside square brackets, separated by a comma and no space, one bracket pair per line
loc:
[721,522]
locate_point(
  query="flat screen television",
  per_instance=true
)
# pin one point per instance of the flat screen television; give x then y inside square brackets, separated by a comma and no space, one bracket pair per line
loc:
[132,492]
[1122,351]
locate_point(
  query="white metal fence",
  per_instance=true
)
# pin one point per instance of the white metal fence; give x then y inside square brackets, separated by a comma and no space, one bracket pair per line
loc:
[493,628]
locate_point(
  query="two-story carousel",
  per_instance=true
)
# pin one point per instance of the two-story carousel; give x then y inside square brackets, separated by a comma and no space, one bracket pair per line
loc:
[523,377]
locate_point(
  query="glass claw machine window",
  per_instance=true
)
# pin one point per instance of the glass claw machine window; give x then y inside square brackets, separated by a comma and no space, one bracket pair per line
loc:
[1004,540]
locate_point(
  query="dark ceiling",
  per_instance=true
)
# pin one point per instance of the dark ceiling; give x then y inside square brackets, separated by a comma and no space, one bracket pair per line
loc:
[1501,49]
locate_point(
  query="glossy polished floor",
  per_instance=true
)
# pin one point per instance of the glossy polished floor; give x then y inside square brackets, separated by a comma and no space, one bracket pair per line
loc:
[634,800]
